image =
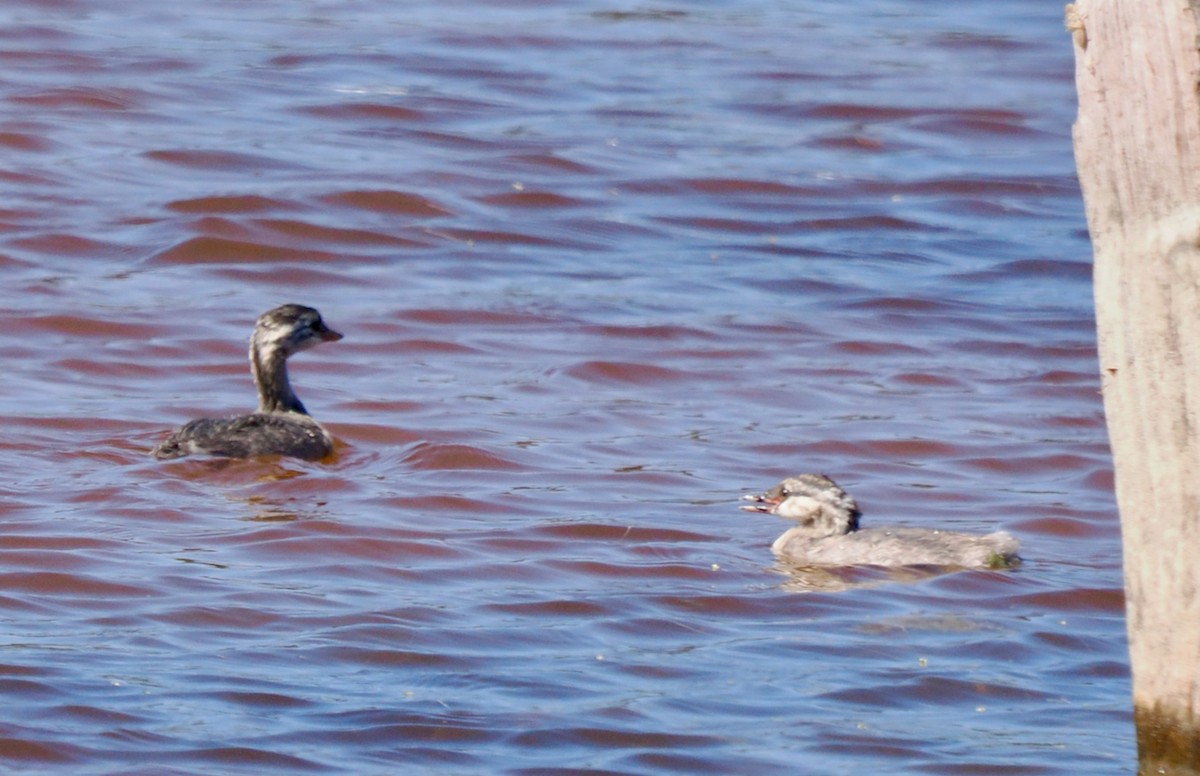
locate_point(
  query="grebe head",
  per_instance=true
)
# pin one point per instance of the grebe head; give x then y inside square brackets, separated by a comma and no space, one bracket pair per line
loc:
[816,502]
[278,334]
[290,329]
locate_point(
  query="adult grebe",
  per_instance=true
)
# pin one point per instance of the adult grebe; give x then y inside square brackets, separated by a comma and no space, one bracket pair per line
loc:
[828,533]
[281,426]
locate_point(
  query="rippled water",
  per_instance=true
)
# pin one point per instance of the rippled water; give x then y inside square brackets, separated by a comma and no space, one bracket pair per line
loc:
[601,269]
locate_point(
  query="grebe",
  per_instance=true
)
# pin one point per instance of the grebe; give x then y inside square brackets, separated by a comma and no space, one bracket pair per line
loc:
[828,533]
[281,426]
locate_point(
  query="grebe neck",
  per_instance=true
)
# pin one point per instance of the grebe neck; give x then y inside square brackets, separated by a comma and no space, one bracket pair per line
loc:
[269,366]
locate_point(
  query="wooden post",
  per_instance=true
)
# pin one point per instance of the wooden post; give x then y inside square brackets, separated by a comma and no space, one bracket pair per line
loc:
[1137,151]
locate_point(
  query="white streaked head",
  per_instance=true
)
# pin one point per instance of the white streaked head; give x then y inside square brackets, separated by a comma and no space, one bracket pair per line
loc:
[290,329]
[814,501]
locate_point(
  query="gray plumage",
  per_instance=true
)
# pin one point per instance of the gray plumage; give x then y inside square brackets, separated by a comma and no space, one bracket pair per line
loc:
[828,534]
[282,425]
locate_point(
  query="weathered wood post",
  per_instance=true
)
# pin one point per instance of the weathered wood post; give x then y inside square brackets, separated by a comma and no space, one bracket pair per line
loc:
[1137,151]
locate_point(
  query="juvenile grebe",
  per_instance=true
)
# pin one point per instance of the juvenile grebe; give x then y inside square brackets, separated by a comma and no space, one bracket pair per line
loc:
[281,426]
[828,533]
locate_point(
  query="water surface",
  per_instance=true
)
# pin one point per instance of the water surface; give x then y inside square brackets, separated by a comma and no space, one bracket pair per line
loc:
[601,269]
